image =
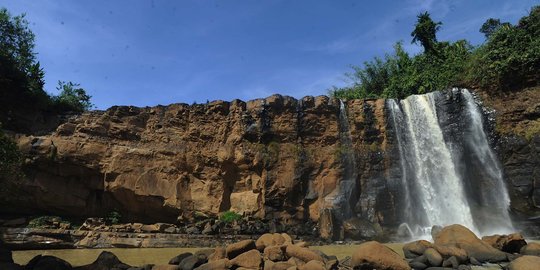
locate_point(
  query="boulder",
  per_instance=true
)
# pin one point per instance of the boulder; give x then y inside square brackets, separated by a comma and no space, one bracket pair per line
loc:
[274,253]
[47,263]
[511,243]
[176,260]
[166,267]
[105,261]
[10,266]
[191,262]
[356,228]
[238,248]
[288,238]
[433,257]
[417,265]
[416,248]
[374,255]
[449,251]
[459,236]
[249,259]
[451,262]
[314,265]
[279,265]
[531,249]
[302,253]
[219,253]
[525,263]
[221,264]
[6,255]
[269,239]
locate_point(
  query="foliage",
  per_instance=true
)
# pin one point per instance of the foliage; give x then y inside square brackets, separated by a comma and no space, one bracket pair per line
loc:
[10,157]
[230,216]
[43,221]
[72,97]
[509,59]
[425,32]
[114,217]
[22,77]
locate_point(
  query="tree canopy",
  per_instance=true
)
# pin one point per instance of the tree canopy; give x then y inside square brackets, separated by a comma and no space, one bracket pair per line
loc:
[509,59]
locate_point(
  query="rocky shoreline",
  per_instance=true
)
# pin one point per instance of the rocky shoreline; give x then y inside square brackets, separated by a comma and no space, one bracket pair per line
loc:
[454,247]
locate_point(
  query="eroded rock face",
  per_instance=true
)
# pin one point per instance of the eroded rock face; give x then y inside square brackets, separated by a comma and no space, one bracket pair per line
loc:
[274,158]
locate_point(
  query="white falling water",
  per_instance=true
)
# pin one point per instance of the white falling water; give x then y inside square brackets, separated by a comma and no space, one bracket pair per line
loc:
[439,187]
[494,192]
[343,197]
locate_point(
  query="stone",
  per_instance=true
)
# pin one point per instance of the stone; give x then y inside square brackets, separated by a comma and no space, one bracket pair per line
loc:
[417,265]
[451,251]
[459,236]
[191,262]
[416,248]
[218,254]
[105,261]
[215,265]
[166,267]
[178,258]
[269,239]
[274,253]
[526,262]
[474,261]
[314,265]
[302,253]
[47,263]
[531,249]
[249,259]
[10,266]
[238,248]
[357,229]
[327,225]
[451,262]
[288,239]
[374,255]
[511,243]
[280,265]
[433,257]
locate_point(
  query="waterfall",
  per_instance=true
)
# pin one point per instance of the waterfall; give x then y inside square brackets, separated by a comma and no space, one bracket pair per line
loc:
[344,196]
[440,171]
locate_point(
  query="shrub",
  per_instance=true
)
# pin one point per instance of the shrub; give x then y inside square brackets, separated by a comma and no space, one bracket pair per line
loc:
[114,217]
[229,216]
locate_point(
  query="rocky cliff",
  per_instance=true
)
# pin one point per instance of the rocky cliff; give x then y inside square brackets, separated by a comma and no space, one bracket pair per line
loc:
[273,158]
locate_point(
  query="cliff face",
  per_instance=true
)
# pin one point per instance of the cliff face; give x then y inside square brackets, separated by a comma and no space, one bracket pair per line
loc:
[270,158]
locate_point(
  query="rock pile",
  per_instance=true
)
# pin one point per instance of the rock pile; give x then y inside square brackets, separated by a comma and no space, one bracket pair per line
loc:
[457,247]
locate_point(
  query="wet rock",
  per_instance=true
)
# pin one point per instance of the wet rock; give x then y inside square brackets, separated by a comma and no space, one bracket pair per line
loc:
[274,253]
[511,243]
[451,262]
[314,265]
[238,248]
[302,253]
[176,260]
[166,267]
[249,259]
[433,257]
[374,255]
[461,237]
[105,261]
[451,251]
[192,262]
[215,265]
[357,229]
[417,265]
[47,263]
[531,249]
[218,254]
[416,248]
[526,262]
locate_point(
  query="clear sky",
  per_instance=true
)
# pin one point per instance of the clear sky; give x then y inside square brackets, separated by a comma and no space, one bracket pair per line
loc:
[153,52]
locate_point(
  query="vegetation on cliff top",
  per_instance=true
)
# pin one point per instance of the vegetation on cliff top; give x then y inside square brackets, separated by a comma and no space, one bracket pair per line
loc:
[22,77]
[508,60]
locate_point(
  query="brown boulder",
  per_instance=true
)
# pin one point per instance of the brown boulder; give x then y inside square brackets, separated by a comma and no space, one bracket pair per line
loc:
[238,248]
[302,253]
[274,253]
[219,253]
[511,243]
[313,265]
[525,263]
[269,239]
[374,255]
[531,249]
[249,259]
[433,257]
[416,248]
[215,265]
[459,236]
[449,251]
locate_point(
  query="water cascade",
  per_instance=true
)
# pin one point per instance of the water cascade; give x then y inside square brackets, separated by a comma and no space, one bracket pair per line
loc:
[344,195]
[441,171]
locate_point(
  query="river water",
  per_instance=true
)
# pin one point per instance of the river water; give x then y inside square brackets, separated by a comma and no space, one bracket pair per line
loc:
[141,256]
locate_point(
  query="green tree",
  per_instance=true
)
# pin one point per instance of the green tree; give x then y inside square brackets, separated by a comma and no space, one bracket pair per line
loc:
[425,32]
[491,25]
[10,157]
[16,40]
[72,97]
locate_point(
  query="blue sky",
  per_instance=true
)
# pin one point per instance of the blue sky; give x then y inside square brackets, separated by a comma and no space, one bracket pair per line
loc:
[153,52]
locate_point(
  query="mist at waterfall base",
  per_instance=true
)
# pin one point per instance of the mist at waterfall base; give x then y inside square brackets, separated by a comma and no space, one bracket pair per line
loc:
[450,174]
